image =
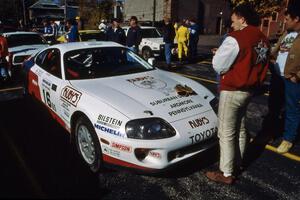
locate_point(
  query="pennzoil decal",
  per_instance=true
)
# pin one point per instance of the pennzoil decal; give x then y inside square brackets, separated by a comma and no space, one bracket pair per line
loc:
[184,90]
[71,95]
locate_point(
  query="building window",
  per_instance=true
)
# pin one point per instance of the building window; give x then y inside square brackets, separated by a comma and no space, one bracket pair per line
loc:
[274,16]
[265,22]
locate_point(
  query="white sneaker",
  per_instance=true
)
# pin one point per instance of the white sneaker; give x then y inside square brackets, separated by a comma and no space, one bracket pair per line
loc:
[284,147]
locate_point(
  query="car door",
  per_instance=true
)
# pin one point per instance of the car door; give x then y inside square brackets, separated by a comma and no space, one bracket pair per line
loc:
[51,81]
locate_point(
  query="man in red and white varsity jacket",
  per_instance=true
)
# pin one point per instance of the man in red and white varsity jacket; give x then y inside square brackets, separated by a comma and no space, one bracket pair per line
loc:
[242,62]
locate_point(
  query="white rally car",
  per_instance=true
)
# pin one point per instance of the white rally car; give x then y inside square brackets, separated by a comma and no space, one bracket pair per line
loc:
[152,44]
[120,109]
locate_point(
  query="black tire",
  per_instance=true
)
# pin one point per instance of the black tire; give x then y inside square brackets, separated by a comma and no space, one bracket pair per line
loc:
[94,163]
[147,53]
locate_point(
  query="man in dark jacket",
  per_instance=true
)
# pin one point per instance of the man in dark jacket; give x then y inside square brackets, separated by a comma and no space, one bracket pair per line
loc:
[168,35]
[115,33]
[193,40]
[134,35]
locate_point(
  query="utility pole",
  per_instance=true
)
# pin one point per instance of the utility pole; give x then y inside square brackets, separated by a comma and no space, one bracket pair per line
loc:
[154,12]
[65,11]
[24,13]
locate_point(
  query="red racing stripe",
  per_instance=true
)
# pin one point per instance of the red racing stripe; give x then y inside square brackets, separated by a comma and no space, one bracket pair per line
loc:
[33,87]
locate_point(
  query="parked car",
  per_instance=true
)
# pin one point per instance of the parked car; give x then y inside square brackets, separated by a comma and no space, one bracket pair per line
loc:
[152,44]
[22,45]
[86,35]
[121,110]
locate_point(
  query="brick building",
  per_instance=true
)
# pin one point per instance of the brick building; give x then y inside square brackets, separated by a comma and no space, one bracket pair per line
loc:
[212,15]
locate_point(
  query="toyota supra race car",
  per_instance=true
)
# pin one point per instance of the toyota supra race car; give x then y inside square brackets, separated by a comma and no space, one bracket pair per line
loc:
[120,109]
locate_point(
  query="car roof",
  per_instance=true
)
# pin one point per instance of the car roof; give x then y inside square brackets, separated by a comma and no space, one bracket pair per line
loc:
[142,27]
[20,33]
[65,47]
[89,31]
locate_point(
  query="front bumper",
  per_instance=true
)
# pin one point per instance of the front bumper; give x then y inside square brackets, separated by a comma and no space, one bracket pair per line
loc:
[160,154]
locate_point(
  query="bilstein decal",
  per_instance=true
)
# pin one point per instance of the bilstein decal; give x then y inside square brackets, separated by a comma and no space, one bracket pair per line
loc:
[109,121]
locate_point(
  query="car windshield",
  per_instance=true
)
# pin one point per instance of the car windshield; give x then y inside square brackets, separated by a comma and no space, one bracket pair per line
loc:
[94,63]
[150,33]
[92,36]
[24,39]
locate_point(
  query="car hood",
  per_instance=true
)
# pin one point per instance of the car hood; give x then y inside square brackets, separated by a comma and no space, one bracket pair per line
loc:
[148,94]
[27,49]
[155,40]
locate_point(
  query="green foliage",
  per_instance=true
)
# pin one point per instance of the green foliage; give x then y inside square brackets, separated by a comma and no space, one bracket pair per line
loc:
[91,11]
[264,8]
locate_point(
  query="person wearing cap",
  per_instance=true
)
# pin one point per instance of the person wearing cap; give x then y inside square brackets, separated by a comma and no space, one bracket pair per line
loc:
[115,33]
[193,39]
[134,35]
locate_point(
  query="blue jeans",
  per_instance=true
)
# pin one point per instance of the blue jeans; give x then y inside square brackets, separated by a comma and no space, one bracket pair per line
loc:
[292,106]
[168,53]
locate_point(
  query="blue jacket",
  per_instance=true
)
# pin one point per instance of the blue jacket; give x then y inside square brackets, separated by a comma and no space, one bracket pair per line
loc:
[73,35]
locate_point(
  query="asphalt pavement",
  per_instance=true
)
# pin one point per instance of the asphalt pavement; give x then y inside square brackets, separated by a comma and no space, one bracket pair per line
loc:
[38,160]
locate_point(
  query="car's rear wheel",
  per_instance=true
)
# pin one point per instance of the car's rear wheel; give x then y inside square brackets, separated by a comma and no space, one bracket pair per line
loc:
[87,144]
[147,53]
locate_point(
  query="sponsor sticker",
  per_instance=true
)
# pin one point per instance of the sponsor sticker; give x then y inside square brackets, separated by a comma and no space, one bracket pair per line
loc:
[149,82]
[71,95]
[198,122]
[112,152]
[155,154]
[121,147]
[184,90]
[109,121]
[109,130]
[203,135]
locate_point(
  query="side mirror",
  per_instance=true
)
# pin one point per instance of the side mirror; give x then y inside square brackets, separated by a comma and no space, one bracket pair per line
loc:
[151,61]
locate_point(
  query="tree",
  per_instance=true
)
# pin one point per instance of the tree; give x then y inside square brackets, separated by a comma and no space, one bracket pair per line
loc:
[265,8]
[92,11]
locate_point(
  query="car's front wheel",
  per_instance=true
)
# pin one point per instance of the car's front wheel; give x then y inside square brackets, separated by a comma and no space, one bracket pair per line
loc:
[87,144]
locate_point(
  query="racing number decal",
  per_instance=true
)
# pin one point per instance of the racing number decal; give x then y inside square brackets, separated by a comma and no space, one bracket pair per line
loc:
[47,100]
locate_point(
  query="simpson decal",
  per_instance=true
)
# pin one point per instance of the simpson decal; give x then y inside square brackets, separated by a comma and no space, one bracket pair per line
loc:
[71,95]
[121,147]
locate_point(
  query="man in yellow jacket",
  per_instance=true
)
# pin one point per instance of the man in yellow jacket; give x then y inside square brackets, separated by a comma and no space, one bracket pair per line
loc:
[182,37]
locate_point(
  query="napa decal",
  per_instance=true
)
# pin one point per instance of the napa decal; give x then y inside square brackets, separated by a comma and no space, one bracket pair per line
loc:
[109,130]
[71,95]
[198,122]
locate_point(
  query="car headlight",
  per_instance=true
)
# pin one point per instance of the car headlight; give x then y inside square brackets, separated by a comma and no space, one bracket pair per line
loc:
[149,129]
[214,103]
